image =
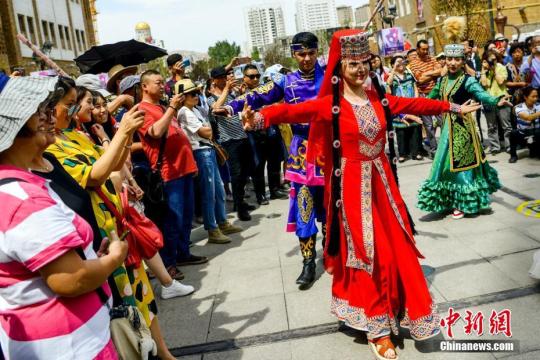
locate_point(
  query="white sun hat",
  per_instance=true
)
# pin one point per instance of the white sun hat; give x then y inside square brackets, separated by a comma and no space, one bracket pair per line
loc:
[19,100]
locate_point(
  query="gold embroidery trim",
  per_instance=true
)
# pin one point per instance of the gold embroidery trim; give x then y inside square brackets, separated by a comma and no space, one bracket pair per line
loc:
[305,203]
[371,151]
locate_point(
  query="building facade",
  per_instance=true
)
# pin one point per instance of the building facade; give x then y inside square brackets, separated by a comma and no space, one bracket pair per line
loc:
[423,19]
[362,15]
[345,16]
[65,27]
[264,24]
[312,15]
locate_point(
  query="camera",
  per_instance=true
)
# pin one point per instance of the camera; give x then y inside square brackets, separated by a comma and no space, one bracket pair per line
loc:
[20,70]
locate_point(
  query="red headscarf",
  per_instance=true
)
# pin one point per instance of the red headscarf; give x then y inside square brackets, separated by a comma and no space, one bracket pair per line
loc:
[320,133]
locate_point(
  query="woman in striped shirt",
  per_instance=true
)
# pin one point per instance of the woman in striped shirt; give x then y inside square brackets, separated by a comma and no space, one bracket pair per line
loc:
[49,273]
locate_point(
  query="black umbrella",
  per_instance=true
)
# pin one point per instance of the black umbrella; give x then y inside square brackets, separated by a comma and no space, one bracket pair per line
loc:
[99,59]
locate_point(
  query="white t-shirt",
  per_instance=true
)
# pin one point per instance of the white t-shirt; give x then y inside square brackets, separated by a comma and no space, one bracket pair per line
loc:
[523,108]
[191,121]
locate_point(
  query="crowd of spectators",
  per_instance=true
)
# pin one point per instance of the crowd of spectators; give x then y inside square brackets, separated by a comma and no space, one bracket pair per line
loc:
[504,69]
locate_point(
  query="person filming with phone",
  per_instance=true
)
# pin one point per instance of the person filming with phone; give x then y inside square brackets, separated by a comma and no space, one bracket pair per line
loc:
[177,68]
[493,78]
[530,69]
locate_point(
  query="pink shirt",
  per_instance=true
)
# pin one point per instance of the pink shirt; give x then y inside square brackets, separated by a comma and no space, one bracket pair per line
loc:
[36,228]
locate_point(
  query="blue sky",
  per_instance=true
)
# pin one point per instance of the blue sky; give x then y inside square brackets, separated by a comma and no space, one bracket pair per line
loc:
[186,25]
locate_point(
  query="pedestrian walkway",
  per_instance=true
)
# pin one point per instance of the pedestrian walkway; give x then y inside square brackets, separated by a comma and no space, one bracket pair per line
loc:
[247,305]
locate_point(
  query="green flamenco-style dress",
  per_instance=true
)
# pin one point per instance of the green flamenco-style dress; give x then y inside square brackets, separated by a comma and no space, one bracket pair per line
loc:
[460,177]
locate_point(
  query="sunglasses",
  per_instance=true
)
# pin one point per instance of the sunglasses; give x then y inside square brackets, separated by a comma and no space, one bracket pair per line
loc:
[194,93]
[71,110]
[253,76]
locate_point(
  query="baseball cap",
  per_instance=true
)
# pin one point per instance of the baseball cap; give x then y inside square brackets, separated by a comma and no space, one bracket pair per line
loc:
[173,59]
[218,72]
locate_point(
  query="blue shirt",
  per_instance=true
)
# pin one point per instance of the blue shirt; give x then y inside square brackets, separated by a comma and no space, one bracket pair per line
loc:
[523,108]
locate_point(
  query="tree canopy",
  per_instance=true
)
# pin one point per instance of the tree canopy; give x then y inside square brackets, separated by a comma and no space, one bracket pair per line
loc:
[223,52]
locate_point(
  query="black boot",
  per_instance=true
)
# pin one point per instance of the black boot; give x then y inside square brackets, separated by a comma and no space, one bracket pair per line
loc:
[243,213]
[307,276]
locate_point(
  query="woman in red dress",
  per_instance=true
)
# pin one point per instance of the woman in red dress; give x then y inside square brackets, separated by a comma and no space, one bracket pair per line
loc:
[370,251]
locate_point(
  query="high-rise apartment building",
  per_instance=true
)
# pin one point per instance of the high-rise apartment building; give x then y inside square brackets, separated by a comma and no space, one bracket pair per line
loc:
[264,24]
[314,15]
[345,16]
[362,15]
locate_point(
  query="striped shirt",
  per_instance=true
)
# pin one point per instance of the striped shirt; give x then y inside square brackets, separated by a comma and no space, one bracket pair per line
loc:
[418,67]
[36,228]
[524,109]
[229,128]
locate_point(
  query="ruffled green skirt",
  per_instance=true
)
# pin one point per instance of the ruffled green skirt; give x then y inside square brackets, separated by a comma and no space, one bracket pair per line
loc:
[468,191]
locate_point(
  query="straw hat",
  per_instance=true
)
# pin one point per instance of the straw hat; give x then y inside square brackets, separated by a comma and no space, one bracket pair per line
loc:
[115,72]
[188,86]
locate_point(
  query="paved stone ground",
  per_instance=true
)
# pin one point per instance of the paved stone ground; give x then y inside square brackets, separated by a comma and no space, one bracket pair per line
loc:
[248,307]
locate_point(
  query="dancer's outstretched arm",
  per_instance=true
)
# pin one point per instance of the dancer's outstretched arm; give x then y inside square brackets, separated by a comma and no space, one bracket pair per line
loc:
[304,112]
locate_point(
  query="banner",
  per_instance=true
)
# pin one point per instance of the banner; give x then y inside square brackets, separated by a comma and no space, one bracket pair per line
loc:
[391,41]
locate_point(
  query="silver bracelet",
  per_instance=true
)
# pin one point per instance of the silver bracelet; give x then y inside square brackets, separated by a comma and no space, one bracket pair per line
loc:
[455,108]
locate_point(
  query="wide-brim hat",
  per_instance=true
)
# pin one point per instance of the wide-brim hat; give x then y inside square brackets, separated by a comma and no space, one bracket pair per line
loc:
[128,82]
[19,100]
[115,72]
[92,82]
[189,86]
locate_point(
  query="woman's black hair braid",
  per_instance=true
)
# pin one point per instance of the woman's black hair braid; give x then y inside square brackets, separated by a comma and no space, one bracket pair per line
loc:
[335,198]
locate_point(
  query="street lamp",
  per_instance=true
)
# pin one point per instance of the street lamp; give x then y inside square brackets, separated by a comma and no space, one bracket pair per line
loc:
[45,49]
[391,16]
[501,22]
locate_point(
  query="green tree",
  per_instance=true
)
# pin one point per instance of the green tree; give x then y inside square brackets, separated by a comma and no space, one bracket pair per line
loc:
[274,55]
[223,52]
[200,70]
[255,55]
[159,65]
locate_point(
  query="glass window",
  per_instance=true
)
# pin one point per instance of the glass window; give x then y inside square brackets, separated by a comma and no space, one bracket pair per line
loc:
[22,25]
[83,38]
[78,39]
[31,30]
[68,38]
[52,33]
[45,28]
[61,33]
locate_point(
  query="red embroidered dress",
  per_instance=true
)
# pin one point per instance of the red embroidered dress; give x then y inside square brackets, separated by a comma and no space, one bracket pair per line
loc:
[376,275]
